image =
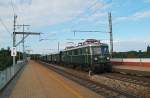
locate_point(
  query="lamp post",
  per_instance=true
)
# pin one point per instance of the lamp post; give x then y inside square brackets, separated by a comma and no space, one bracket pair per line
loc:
[140,54]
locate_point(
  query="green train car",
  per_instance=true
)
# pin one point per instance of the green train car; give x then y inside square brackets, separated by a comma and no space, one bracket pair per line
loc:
[55,58]
[91,55]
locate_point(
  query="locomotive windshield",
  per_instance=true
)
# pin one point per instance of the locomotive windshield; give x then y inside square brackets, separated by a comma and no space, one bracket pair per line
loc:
[100,50]
[104,50]
[96,50]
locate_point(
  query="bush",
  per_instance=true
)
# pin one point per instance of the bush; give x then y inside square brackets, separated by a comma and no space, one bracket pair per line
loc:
[5,59]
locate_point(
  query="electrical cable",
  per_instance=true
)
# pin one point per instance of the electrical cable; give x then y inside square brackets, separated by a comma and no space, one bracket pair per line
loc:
[12,5]
[4,26]
[80,15]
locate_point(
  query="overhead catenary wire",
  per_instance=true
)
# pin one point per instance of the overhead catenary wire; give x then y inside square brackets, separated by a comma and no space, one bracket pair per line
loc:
[89,16]
[20,11]
[91,31]
[4,26]
[1,20]
[16,9]
[13,7]
[80,15]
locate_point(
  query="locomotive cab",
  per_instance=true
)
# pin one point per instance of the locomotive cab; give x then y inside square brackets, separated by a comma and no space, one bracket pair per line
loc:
[100,58]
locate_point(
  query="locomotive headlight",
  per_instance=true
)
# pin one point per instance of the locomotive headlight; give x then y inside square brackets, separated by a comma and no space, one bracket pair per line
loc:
[95,58]
[108,58]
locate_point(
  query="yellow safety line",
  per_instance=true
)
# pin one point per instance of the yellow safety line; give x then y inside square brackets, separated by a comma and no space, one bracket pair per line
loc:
[66,87]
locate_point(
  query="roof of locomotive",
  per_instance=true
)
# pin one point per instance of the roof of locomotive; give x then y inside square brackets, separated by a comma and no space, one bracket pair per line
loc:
[88,45]
[55,53]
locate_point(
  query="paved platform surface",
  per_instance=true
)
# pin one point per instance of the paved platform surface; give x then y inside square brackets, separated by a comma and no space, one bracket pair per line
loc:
[37,81]
[132,69]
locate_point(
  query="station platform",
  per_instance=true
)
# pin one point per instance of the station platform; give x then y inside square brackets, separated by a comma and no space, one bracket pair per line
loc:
[133,70]
[36,81]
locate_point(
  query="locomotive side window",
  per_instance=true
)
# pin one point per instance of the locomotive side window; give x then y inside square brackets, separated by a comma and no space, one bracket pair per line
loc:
[67,52]
[70,52]
[87,50]
[83,51]
[80,51]
[76,52]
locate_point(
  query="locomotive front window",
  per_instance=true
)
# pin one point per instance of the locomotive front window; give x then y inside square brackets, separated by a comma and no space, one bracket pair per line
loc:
[96,50]
[100,50]
[104,50]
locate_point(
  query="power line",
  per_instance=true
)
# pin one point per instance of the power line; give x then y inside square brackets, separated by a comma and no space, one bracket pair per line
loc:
[12,5]
[95,11]
[4,26]
[15,7]
[85,11]
[90,31]
[21,11]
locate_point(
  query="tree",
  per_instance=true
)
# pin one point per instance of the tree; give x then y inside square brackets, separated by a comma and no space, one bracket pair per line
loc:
[148,49]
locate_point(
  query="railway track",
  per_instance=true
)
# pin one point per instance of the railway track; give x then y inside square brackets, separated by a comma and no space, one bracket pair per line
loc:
[127,78]
[100,89]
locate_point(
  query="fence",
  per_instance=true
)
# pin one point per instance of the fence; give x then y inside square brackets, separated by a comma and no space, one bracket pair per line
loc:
[7,74]
[131,61]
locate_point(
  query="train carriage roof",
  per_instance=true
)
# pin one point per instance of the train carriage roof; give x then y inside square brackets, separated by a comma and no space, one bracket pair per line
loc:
[88,45]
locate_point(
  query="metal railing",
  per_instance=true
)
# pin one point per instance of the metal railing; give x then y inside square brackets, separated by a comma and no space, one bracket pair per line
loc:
[7,74]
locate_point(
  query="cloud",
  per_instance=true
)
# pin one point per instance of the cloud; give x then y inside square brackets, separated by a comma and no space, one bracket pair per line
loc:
[50,12]
[98,5]
[147,1]
[136,16]
[141,15]
[40,13]
[132,44]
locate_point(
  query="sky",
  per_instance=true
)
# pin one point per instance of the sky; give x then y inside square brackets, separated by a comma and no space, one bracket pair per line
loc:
[57,19]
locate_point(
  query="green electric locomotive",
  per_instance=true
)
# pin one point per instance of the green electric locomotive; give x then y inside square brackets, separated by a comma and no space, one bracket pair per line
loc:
[91,54]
